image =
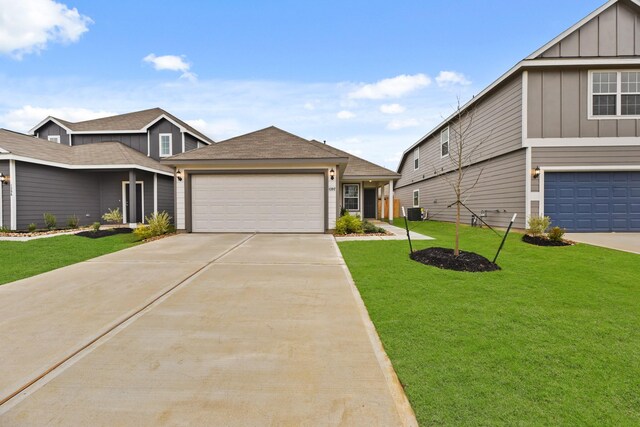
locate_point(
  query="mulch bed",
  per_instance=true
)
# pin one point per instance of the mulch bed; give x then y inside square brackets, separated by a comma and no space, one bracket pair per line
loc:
[444,258]
[104,233]
[23,233]
[543,241]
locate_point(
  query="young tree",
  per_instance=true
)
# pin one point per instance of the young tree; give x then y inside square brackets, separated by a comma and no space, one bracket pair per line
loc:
[462,147]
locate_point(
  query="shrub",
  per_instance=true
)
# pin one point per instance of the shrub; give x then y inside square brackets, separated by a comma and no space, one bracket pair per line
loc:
[555,234]
[158,223]
[50,220]
[537,225]
[73,221]
[4,229]
[143,232]
[113,216]
[368,228]
[95,226]
[32,227]
[348,224]
[343,212]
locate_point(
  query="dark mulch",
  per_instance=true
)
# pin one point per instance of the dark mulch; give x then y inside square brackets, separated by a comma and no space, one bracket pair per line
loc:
[444,258]
[543,241]
[104,233]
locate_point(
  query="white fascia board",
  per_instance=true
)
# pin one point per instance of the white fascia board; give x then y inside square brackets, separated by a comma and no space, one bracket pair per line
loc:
[599,168]
[81,167]
[160,117]
[582,142]
[573,62]
[90,132]
[49,118]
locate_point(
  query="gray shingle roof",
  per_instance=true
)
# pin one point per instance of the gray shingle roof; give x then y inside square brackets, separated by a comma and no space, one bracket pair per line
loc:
[358,167]
[102,153]
[129,121]
[265,144]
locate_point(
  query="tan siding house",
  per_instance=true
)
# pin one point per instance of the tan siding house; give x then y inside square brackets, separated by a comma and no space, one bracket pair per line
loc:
[560,132]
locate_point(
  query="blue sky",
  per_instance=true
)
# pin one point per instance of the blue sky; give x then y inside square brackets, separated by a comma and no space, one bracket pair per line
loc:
[369,77]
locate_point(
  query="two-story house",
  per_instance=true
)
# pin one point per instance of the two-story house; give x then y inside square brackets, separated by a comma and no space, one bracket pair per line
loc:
[559,134]
[86,168]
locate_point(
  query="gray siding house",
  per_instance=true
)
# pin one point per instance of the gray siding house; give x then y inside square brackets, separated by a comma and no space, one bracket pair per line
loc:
[85,168]
[560,135]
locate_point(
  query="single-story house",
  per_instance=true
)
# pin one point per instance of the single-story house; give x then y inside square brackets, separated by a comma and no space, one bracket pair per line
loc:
[273,181]
[559,135]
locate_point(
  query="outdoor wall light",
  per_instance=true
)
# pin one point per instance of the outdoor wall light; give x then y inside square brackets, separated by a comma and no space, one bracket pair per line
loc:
[179,175]
[4,179]
[332,174]
[536,172]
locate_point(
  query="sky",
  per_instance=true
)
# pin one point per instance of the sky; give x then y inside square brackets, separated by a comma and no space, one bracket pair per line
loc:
[369,77]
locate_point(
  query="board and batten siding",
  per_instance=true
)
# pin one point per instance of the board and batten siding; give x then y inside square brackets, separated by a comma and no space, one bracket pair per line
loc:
[614,32]
[165,196]
[497,123]
[558,108]
[164,126]
[111,190]
[62,192]
[190,143]
[137,141]
[6,195]
[50,128]
[583,156]
[500,191]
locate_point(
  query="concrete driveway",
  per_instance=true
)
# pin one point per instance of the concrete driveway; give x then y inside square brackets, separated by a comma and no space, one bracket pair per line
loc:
[628,242]
[197,330]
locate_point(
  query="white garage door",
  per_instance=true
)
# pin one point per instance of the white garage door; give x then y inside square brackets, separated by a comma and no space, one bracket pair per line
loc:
[273,203]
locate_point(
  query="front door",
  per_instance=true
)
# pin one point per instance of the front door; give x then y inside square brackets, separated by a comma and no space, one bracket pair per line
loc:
[370,202]
[139,212]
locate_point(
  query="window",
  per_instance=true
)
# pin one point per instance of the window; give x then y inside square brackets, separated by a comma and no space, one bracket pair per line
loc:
[615,93]
[416,198]
[351,197]
[444,142]
[165,144]
[416,158]
[54,138]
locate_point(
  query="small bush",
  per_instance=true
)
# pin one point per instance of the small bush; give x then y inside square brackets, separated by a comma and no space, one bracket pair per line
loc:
[537,225]
[50,220]
[73,221]
[95,226]
[143,232]
[343,212]
[32,227]
[369,228]
[555,234]
[158,223]
[348,224]
[4,229]
[113,216]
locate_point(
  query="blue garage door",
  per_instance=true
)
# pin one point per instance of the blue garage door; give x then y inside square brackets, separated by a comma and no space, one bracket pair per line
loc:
[593,201]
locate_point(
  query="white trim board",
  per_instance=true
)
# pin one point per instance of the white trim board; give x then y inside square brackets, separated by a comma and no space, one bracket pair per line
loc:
[155,193]
[525,132]
[13,195]
[124,200]
[49,118]
[1,206]
[623,141]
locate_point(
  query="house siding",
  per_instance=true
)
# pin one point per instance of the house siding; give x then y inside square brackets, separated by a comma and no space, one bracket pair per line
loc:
[558,108]
[50,128]
[137,141]
[111,190]
[165,196]
[614,32]
[62,192]
[497,123]
[190,143]
[500,191]
[5,215]
[164,126]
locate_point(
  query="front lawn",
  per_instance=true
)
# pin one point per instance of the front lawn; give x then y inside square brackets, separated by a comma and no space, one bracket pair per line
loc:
[25,259]
[551,339]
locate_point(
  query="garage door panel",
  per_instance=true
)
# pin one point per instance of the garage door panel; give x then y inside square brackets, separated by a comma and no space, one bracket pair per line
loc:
[258,202]
[593,201]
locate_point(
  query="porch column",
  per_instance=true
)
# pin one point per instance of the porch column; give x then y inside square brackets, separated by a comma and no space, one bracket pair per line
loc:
[391,202]
[131,211]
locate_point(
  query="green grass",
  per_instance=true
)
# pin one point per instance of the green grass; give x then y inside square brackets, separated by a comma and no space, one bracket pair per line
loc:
[551,339]
[25,259]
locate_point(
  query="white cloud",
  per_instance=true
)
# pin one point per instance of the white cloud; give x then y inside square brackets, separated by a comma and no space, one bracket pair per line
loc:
[392,108]
[391,88]
[23,119]
[27,26]
[396,124]
[452,78]
[171,63]
[345,115]
[218,130]
[309,106]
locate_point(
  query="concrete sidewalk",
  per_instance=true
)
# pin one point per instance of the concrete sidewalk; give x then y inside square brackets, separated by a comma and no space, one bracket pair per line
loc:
[627,242]
[271,333]
[398,234]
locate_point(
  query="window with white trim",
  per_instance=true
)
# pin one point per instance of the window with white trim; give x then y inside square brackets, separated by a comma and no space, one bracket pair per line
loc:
[614,93]
[351,197]
[444,142]
[54,138]
[165,144]
[416,198]
[416,158]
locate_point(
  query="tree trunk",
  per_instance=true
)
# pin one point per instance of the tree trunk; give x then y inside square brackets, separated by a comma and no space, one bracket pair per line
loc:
[457,246]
